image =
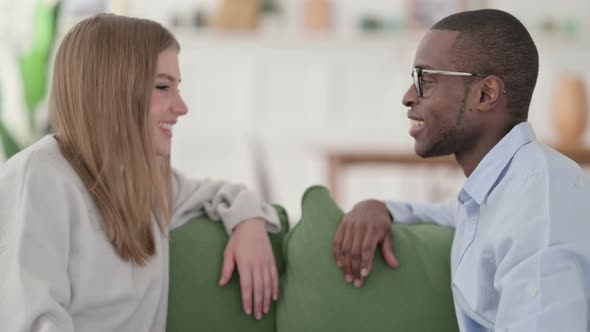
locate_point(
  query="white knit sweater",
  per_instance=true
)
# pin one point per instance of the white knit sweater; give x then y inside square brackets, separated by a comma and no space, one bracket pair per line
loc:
[58,271]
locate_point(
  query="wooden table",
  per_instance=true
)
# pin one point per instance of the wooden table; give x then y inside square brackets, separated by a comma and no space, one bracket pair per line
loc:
[340,160]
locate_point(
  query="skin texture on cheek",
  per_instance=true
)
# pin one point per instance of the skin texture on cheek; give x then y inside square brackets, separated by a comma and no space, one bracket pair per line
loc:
[445,131]
[156,111]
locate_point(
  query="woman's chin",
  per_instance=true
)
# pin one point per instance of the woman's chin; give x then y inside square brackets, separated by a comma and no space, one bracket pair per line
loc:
[163,152]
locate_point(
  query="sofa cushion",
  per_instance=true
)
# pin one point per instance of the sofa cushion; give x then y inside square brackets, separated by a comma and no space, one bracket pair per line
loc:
[315,297]
[196,302]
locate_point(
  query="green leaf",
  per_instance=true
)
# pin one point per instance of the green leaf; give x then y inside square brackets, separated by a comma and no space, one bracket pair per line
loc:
[8,143]
[34,64]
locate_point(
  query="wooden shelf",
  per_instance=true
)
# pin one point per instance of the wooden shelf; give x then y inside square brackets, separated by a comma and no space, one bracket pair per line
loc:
[339,161]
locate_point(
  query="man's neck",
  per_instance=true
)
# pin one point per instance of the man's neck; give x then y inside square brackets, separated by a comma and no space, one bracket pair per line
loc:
[469,159]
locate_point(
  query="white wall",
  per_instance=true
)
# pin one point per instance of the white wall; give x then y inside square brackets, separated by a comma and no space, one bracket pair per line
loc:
[299,97]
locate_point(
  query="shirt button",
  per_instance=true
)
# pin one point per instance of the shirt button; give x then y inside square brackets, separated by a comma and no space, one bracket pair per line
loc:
[534,292]
[473,219]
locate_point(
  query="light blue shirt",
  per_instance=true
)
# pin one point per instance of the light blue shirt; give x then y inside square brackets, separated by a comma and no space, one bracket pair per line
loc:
[520,259]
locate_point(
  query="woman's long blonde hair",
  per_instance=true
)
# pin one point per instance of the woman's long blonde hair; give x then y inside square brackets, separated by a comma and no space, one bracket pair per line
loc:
[103,78]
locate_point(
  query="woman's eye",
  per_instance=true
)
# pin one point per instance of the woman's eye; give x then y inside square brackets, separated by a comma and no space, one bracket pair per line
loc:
[162,87]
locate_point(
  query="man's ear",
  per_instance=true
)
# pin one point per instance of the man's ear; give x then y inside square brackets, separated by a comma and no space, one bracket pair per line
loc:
[491,91]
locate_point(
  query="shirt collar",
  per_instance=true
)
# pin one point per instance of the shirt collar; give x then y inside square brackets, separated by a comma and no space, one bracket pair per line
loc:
[489,169]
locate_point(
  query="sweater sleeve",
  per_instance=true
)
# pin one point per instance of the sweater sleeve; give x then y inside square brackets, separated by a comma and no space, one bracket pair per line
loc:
[219,200]
[34,248]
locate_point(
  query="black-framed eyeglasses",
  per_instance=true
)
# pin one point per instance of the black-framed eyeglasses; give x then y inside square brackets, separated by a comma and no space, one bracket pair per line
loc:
[417,74]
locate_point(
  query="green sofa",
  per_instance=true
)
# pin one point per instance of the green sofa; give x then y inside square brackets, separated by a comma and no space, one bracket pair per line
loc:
[314,295]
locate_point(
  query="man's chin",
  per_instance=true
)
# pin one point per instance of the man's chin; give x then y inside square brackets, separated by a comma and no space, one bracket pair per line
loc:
[421,151]
[429,152]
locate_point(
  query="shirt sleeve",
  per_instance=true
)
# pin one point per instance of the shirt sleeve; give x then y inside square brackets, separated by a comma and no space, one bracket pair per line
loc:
[219,200]
[443,214]
[34,250]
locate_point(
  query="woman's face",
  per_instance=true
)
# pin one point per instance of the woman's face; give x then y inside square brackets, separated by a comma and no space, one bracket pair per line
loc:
[166,105]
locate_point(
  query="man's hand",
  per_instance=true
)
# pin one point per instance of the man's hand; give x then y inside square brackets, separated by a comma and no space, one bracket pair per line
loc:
[249,248]
[361,229]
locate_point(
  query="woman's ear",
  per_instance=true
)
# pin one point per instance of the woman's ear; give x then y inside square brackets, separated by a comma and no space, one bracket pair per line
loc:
[492,89]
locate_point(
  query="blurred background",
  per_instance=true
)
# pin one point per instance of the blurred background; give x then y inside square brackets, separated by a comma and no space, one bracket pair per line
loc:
[284,94]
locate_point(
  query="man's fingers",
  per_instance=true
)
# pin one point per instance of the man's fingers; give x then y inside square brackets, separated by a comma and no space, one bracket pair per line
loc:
[359,282]
[387,251]
[355,252]
[228,267]
[337,245]
[345,254]
[367,254]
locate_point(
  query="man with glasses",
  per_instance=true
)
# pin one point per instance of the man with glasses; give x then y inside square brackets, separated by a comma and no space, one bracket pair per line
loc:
[520,258]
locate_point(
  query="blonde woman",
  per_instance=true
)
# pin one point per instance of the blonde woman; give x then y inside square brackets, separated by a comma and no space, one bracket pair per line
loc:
[85,213]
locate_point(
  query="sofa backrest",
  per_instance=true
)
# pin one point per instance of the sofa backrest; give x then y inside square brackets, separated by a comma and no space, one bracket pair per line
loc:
[195,301]
[315,297]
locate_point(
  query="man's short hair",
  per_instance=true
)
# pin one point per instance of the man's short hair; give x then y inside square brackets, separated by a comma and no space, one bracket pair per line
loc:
[491,41]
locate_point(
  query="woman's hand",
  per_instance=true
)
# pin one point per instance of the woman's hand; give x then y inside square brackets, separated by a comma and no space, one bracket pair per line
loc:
[249,248]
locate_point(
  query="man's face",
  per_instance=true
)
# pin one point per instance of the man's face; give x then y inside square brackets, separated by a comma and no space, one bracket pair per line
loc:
[440,118]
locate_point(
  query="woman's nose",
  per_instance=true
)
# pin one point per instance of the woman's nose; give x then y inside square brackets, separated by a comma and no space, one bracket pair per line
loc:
[180,107]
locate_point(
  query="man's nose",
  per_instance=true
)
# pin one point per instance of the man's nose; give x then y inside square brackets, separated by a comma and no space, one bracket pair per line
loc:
[410,97]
